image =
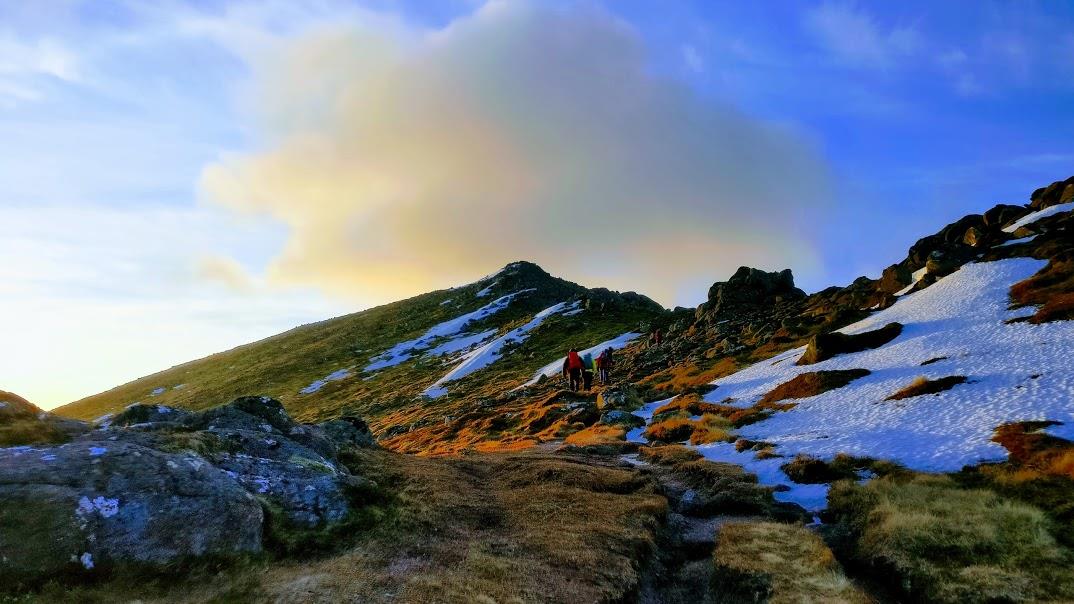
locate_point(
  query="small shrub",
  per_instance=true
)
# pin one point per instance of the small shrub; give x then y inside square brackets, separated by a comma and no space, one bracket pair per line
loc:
[922,385]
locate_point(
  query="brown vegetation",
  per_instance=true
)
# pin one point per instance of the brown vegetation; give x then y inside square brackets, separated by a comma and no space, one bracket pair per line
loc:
[1052,289]
[668,455]
[923,385]
[812,384]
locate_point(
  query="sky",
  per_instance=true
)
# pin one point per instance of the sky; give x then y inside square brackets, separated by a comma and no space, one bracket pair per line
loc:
[177,178]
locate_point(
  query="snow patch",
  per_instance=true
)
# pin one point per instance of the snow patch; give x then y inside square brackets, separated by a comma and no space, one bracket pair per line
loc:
[1039,214]
[486,355]
[1017,241]
[915,278]
[87,561]
[335,376]
[403,351]
[157,391]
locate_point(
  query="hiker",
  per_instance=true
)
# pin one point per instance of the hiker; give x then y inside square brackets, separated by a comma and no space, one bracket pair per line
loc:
[654,338]
[572,369]
[587,371]
[604,365]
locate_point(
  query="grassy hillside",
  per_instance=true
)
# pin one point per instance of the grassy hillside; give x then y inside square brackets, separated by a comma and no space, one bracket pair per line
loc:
[283,365]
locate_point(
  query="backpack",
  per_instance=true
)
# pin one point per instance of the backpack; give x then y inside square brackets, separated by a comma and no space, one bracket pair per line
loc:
[574,361]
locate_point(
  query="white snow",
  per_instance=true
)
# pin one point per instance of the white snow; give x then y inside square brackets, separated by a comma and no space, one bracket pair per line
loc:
[403,351]
[487,290]
[157,391]
[87,561]
[555,367]
[335,376]
[462,343]
[486,355]
[97,451]
[961,317]
[446,302]
[917,276]
[1017,241]
[1039,214]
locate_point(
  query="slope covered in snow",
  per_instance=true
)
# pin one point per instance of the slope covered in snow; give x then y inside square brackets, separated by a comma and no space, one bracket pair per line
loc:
[486,355]
[1038,215]
[1015,371]
[403,351]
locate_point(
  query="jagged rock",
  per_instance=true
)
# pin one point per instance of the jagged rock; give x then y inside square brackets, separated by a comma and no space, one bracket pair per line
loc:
[348,431]
[974,237]
[1003,214]
[98,502]
[1060,191]
[621,418]
[623,397]
[940,264]
[827,345]
[139,413]
[158,485]
[895,278]
[750,286]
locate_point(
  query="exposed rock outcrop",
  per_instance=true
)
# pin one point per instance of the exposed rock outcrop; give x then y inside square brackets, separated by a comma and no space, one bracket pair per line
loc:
[1060,191]
[159,484]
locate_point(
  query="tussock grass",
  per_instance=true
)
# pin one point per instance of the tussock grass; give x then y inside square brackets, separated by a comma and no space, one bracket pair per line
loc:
[676,429]
[773,562]
[1052,288]
[811,384]
[710,429]
[941,543]
[922,385]
[668,455]
[685,404]
[31,431]
[599,434]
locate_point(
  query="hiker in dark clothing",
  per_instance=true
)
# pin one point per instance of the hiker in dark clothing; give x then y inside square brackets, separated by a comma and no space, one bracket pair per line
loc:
[572,369]
[604,366]
[587,371]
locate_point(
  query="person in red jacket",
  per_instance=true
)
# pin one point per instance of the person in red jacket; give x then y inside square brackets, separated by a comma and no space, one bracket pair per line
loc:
[572,369]
[604,366]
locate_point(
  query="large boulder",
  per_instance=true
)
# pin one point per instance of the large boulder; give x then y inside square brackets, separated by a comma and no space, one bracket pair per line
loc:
[158,484]
[623,397]
[827,345]
[101,502]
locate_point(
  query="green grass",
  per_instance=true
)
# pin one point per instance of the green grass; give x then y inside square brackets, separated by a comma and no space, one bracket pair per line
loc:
[280,366]
[935,541]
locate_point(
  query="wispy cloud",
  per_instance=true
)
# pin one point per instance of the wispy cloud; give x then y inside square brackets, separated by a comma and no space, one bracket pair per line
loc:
[854,36]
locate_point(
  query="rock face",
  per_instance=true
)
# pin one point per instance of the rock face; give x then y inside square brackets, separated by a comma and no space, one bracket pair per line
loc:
[827,345]
[1056,193]
[96,502]
[751,287]
[160,484]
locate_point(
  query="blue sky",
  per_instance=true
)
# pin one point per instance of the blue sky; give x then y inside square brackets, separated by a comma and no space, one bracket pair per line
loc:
[178,178]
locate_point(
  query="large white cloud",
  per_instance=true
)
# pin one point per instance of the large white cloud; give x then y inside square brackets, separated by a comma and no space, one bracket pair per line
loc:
[403,160]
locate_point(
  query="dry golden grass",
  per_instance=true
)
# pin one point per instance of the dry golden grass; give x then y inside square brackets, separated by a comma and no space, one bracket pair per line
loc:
[676,429]
[773,562]
[1052,288]
[668,455]
[710,429]
[599,434]
[942,543]
[686,404]
[811,384]
[922,385]
[524,527]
